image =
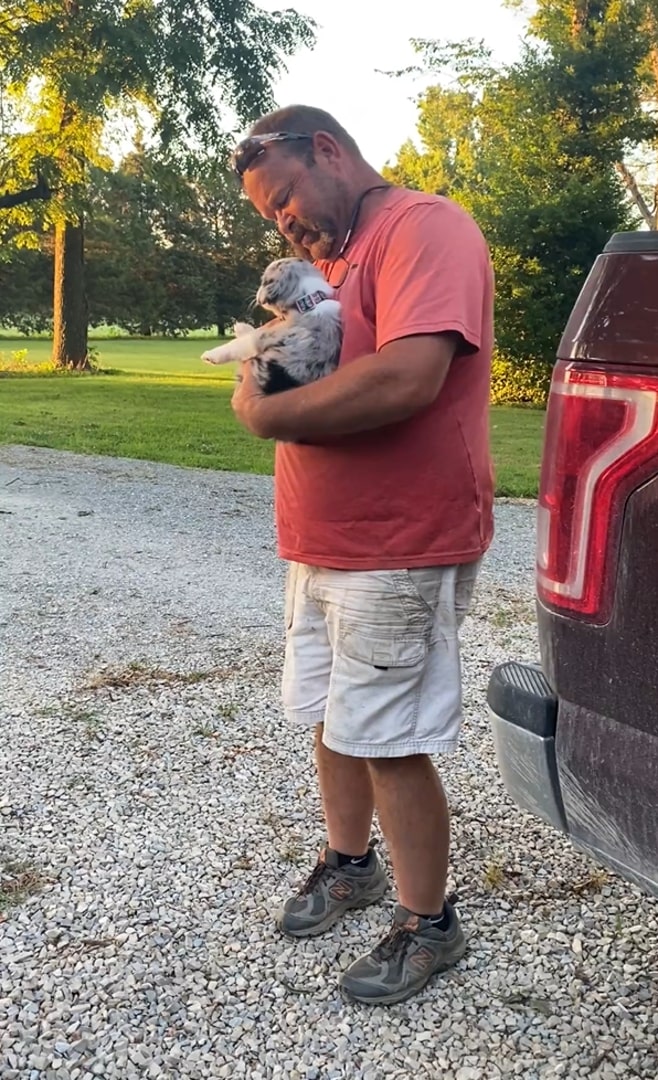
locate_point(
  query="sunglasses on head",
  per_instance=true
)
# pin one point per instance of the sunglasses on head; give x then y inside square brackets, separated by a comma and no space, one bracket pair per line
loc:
[254,146]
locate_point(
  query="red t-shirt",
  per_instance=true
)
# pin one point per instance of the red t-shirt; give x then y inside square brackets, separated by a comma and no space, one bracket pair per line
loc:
[419,492]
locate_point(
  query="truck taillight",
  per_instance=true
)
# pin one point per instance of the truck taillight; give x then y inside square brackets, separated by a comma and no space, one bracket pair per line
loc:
[601,443]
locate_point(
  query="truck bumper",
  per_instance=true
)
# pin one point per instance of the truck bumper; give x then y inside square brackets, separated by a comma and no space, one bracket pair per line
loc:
[523,714]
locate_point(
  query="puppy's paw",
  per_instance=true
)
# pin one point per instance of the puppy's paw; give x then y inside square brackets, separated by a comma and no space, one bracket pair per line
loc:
[241,328]
[223,354]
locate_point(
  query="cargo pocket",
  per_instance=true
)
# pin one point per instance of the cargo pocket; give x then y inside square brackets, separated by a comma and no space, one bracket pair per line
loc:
[375,690]
[381,653]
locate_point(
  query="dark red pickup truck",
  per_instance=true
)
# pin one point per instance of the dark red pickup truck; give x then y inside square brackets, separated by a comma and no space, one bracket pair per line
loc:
[576,735]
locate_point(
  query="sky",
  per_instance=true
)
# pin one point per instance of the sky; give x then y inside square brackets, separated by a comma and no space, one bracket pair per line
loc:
[355,38]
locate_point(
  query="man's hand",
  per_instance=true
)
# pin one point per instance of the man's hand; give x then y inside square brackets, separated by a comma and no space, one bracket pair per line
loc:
[249,403]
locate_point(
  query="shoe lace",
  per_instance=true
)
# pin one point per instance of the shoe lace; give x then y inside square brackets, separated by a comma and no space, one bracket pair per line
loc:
[394,944]
[316,874]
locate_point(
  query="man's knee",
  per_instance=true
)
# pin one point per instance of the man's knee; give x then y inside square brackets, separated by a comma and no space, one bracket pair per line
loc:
[389,766]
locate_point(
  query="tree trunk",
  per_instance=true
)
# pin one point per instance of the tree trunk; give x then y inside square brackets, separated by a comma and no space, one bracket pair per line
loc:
[219,306]
[70,299]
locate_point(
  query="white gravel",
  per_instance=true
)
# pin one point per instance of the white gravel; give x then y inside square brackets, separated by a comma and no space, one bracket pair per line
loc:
[150,787]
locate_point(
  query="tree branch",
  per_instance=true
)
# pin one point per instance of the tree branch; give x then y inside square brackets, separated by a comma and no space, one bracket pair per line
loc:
[41,190]
[631,185]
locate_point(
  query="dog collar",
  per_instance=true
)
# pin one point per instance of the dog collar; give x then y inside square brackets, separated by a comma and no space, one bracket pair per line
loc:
[310,301]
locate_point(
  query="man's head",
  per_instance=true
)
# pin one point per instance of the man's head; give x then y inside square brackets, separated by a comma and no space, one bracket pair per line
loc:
[301,169]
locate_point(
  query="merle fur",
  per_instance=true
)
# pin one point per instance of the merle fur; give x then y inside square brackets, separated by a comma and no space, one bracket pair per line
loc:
[301,346]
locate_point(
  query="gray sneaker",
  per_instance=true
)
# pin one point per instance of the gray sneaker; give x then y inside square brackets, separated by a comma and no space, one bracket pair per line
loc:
[405,960]
[329,892]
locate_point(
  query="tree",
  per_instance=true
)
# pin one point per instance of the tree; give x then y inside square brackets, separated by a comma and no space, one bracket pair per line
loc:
[26,289]
[575,27]
[530,150]
[171,250]
[68,66]
[237,242]
[167,250]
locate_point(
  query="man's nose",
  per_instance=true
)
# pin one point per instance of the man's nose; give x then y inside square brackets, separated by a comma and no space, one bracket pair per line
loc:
[284,222]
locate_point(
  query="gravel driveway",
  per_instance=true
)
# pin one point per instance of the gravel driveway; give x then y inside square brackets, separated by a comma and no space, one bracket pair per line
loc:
[154,809]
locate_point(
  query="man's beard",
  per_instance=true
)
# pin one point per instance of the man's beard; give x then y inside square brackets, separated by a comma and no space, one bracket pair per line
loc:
[314,240]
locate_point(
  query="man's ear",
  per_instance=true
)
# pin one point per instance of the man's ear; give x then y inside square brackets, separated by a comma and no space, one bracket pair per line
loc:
[325,147]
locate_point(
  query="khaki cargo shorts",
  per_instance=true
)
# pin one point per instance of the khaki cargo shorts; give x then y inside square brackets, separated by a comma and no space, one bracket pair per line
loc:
[374,656]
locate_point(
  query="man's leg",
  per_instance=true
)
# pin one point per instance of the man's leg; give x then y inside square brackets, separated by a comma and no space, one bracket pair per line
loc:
[348,873]
[347,798]
[394,700]
[426,936]
[413,814]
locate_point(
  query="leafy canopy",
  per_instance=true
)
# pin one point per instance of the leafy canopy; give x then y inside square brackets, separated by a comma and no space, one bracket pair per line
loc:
[193,66]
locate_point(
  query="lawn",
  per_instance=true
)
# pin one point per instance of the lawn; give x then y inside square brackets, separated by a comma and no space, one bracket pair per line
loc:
[163,404]
[136,356]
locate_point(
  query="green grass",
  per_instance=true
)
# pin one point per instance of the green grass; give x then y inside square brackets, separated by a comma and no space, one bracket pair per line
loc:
[516,439]
[164,404]
[134,356]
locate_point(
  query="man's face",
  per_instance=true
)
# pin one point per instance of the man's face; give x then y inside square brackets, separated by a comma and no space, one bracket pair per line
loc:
[305,200]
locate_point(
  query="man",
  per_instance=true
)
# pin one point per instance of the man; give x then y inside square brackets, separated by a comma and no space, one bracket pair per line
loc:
[384,498]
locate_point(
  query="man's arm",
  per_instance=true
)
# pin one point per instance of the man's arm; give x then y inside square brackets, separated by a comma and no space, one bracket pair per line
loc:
[370,392]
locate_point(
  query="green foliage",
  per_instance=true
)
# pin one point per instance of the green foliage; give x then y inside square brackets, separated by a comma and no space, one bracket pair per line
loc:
[26,288]
[168,251]
[532,151]
[18,362]
[68,67]
[186,71]
[519,383]
[580,28]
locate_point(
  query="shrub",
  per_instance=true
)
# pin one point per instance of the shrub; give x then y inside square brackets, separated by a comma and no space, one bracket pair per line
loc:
[519,383]
[17,363]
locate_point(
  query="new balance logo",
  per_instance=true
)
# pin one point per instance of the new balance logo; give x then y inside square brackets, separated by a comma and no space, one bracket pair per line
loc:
[340,890]
[421,960]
